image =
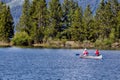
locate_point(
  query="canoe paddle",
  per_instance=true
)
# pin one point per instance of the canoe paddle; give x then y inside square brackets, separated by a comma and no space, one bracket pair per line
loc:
[77,54]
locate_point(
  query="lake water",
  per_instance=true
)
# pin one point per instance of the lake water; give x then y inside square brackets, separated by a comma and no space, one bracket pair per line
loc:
[57,64]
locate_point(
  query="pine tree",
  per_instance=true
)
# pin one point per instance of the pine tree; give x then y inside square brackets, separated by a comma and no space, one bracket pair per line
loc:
[108,20]
[66,11]
[6,23]
[1,22]
[98,19]
[104,19]
[118,25]
[114,6]
[23,24]
[55,18]
[76,25]
[69,7]
[9,23]
[39,18]
[115,9]
[72,7]
[88,22]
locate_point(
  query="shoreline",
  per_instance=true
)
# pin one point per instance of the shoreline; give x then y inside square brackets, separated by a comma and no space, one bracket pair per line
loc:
[61,45]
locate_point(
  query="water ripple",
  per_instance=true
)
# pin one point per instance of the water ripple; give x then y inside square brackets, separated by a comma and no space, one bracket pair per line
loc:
[57,64]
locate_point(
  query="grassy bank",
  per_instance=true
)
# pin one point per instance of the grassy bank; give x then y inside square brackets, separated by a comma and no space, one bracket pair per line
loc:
[67,44]
[77,45]
[4,44]
[62,44]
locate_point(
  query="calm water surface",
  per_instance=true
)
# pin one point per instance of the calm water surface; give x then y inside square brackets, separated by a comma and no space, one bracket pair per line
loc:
[57,64]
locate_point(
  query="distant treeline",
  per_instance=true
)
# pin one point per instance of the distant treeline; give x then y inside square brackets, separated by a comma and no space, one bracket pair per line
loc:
[41,22]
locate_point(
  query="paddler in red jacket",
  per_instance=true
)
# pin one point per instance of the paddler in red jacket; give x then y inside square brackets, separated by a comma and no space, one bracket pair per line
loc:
[97,53]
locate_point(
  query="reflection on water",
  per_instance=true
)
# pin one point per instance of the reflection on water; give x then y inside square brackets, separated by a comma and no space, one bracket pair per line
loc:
[57,64]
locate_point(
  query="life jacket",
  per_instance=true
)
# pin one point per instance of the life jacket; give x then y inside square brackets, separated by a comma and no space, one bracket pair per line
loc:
[85,53]
[97,53]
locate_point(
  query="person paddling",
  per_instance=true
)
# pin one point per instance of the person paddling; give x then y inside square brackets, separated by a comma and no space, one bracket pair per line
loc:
[85,52]
[97,53]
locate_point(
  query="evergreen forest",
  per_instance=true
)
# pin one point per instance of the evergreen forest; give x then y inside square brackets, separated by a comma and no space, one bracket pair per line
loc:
[42,22]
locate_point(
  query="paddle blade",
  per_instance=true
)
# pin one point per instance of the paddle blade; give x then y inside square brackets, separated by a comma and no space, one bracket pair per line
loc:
[77,54]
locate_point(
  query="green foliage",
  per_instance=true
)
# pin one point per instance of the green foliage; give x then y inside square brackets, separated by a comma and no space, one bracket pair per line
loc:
[39,20]
[6,23]
[66,11]
[103,43]
[20,39]
[107,42]
[24,21]
[55,17]
[112,35]
[69,7]
[99,43]
[88,23]
[105,19]
[67,21]
[72,17]
[76,25]
[118,26]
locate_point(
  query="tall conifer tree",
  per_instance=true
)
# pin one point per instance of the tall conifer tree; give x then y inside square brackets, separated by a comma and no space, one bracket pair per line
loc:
[39,17]
[55,18]
[66,11]
[6,23]
[69,7]
[23,24]
[76,25]
[99,18]
[88,22]
[108,20]
[9,23]
[118,25]
[115,6]
[105,19]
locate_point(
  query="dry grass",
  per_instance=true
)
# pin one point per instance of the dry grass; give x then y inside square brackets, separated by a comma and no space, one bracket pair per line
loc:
[4,44]
[61,44]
